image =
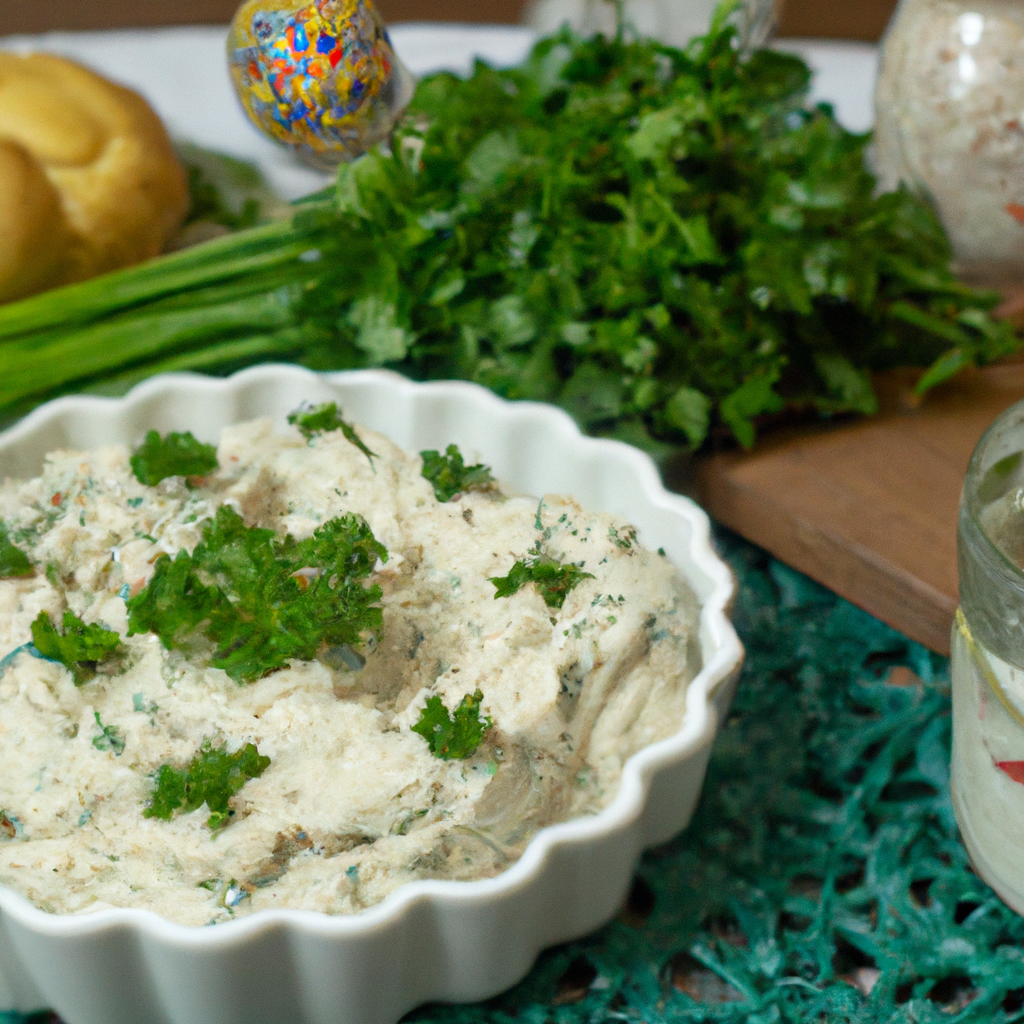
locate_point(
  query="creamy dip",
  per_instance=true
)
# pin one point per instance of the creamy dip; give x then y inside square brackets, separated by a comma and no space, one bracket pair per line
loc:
[353,803]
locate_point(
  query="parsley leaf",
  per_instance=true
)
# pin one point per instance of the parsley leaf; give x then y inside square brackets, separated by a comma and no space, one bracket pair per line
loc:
[212,777]
[79,648]
[13,561]
[453,737]
[449,475]
[109,737]
[326,417]
[553,579]
[263,600]
[173,455]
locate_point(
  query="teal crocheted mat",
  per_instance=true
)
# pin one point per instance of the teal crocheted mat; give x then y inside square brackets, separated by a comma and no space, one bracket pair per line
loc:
[822,879]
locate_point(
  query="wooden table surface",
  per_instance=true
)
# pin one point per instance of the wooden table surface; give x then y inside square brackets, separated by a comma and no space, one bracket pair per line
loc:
[869,508]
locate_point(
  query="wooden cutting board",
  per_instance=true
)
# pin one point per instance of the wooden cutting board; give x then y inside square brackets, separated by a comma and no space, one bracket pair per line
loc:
[869,508]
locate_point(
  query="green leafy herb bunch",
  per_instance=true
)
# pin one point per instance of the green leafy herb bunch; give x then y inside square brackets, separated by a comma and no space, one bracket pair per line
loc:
[657,240]
[664,242]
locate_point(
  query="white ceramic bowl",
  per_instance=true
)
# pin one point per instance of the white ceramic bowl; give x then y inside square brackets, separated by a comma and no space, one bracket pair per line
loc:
[430,940]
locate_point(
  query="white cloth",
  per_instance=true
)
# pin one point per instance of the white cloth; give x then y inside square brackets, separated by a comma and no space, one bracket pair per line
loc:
[183,73]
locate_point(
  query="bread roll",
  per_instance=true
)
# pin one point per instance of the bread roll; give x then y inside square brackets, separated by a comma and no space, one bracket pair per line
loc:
[89,181]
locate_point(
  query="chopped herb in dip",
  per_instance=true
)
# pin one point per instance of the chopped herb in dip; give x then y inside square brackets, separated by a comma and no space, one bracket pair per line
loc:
[319,419]
[172,455]
[553,580]
[449,475]
[453,736]
[212,777]
[80,648]
[263,600]
[109,737]
[13,561]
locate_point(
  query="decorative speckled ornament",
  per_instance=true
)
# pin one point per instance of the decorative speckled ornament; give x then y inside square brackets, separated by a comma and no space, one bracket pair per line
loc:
[321,77]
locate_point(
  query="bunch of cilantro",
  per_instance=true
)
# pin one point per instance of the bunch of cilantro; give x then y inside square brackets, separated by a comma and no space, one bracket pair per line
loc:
[664,242]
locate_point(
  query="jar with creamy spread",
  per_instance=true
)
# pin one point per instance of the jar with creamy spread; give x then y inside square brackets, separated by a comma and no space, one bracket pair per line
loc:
[950,124]
[988,660]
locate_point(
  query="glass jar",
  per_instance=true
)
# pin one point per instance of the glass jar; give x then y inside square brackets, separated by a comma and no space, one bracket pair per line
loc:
[988,660]
[674,22]
[949,106]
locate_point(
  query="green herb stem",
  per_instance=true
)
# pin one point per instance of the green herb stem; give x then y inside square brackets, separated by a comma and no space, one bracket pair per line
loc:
[246,252]
[40,367]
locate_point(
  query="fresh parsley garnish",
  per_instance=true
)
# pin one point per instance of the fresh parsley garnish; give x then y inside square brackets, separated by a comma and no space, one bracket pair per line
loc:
[212,777]
[172,455]
[320,419]
[449,475]
[109,737]
[79,648]
[453,736]
[317,419]
[263,600]
[553,579]
[13,561]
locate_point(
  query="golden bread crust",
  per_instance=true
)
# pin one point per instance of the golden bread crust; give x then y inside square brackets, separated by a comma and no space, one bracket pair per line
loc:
[30,210]
[120,190]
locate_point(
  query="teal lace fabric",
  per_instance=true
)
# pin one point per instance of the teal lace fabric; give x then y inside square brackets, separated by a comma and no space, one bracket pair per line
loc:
[822,879]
